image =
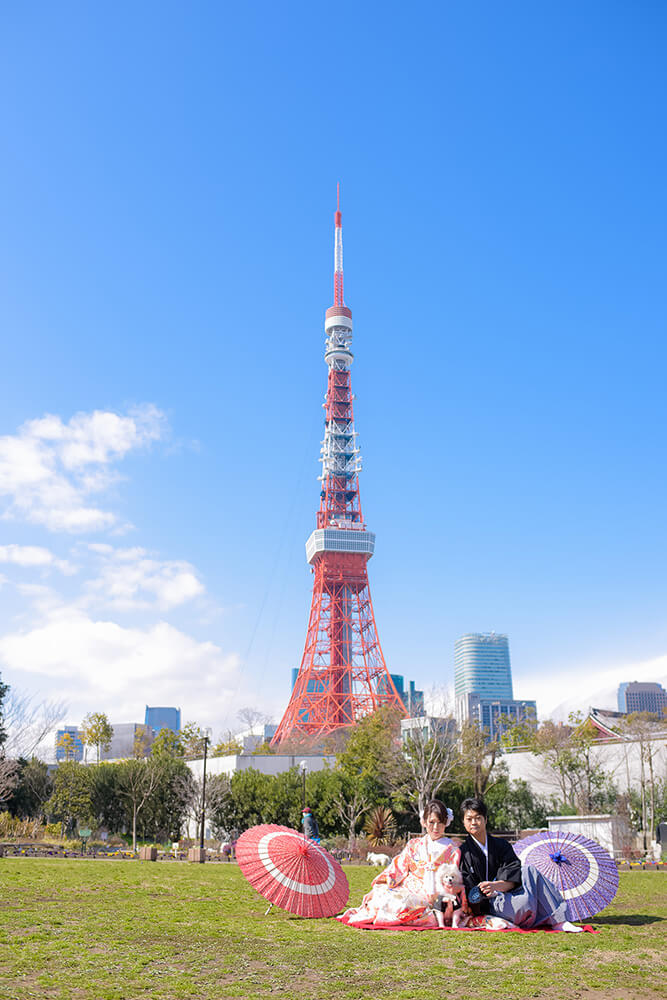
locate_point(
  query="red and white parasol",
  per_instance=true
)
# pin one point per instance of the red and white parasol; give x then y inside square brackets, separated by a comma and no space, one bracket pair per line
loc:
[291,871]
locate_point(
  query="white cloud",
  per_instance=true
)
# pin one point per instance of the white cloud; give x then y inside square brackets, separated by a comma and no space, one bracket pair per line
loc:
[50,469]
[34,556]
[130,579]
[43,600]
[101,665]
[592,685]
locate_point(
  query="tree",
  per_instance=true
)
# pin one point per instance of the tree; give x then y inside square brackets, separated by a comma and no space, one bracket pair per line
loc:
[352,803]
[552,742]
[513,806]
[142,742]
[661,805]
[373,755]
[96,731]
[9,773]
[28,722]
[66,743]
[8,767]
[251,717]
[587,775]
[569,751]
[226,746]
[286,798]
[477,757]
[377,771]
[71,799]
[251,792]
[137,779]
[219,805]
[4,689]
[163,814]
[322,790]
[221,808]
[33,788]
[168,744]
[192,739]
[108,804]
[642,729]
[431,760]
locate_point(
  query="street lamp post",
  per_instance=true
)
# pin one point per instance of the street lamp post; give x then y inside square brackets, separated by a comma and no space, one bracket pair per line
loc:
[207,740]
[304,768]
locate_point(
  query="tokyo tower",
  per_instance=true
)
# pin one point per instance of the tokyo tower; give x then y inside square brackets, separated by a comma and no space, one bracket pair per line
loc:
[343,675]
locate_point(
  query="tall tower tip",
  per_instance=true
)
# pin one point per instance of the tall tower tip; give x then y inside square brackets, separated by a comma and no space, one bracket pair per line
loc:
[338,252]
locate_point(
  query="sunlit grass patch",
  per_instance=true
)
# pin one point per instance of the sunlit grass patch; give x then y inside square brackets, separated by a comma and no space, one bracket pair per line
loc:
[113,930]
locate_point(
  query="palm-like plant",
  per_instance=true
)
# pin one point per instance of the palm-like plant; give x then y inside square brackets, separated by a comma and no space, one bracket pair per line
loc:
[380,826]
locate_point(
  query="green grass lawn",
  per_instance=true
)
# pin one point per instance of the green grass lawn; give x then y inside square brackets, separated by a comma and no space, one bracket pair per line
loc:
[113,930]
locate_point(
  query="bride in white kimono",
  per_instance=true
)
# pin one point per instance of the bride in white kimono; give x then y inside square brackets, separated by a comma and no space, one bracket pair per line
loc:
[403,894]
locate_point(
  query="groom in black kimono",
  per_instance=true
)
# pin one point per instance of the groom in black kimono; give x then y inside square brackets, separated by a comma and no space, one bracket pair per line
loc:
[495,882]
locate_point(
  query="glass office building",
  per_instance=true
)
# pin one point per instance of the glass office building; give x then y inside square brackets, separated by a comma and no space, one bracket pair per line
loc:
[494,715]
[483,684]
[161,717]
[482,666]
[637,696]
[412,698]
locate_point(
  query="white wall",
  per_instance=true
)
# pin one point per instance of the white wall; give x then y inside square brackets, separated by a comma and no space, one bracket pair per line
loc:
[611,832]
[620,760]
[264,763]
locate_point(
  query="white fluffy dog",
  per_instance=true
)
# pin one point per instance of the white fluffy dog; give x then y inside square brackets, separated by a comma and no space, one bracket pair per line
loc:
[378,859]
[448,885]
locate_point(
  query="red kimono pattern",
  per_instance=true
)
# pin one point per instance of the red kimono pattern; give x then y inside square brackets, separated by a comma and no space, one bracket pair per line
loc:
[400,896]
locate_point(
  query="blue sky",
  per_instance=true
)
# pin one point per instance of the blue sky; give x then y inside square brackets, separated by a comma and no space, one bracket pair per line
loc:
[168,180]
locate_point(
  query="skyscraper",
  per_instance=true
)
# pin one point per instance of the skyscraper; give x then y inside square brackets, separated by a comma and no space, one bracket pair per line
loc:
[636,696]
[412,698]
[160,717]
[483,684]
[482,665]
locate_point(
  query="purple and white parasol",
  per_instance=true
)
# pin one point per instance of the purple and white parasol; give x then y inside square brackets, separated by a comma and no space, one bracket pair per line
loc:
[584,873]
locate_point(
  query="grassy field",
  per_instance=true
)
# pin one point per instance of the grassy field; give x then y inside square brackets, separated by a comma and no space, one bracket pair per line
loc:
[113,930]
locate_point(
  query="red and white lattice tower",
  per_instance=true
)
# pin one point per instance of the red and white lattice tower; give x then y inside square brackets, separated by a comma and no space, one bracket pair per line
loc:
[343,675]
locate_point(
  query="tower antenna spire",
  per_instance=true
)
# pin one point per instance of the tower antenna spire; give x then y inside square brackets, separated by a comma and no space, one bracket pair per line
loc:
[338,253]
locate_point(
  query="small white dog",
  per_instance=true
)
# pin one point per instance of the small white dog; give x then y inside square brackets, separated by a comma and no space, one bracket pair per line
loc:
[378,859]
[448,885]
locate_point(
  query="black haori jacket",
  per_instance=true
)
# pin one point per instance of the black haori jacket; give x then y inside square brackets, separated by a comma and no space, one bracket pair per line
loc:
[504,866]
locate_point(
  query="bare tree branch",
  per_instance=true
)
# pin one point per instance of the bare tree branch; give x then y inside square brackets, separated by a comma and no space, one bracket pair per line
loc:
[350,810]
[252,717]
[432,759]
[9,776]
[138,779]
[28,722]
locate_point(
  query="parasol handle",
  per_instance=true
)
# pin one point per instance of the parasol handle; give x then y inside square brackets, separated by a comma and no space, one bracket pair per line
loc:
[268,909]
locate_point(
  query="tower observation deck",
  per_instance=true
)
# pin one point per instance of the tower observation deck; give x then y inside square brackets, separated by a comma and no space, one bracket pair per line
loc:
[343,675]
